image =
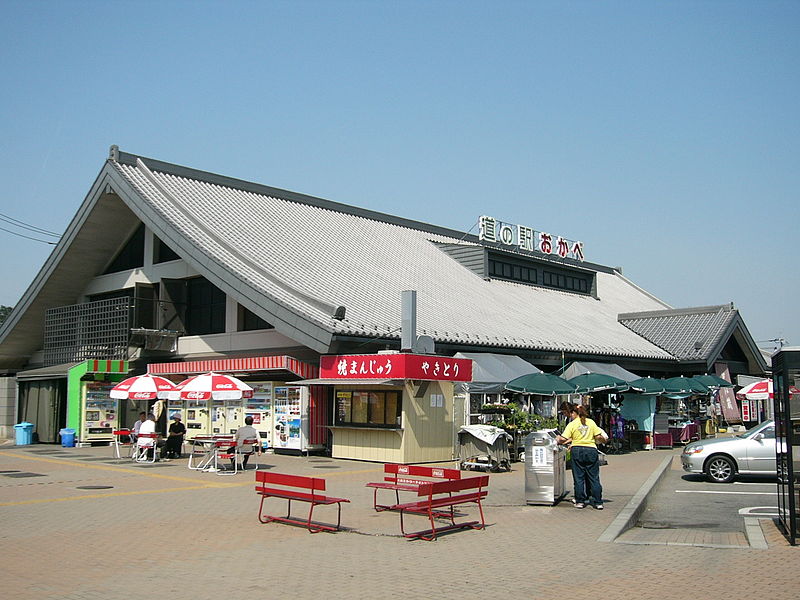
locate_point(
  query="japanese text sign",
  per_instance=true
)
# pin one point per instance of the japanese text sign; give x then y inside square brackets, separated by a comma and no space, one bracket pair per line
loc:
[526,238]
[396,366]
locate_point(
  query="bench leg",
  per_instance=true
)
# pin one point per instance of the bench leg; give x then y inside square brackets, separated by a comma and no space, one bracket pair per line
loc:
[382,507]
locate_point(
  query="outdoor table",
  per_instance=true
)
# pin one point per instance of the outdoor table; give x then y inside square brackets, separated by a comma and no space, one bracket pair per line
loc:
[685,433]
[207,445]
[118,434]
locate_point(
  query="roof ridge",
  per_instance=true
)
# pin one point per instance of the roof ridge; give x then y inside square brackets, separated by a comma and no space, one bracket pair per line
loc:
[676,312]
[316,302]
[127,158]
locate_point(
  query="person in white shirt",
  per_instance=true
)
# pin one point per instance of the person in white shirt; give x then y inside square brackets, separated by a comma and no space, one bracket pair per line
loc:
[246,432]
[138,425]
[149,426]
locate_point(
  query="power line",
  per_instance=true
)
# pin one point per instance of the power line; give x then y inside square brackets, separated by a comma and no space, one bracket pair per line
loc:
[27,236]
[27,226]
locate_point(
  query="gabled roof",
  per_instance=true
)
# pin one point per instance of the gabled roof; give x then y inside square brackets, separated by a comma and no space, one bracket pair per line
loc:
[491,372]
[293,259]
[580,367]
[695,334]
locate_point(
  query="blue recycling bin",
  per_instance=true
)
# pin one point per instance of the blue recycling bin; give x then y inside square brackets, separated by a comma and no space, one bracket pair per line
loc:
[67,438]
[24,433]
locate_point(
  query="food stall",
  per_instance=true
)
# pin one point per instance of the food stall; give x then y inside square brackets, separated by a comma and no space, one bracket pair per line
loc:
[393,407]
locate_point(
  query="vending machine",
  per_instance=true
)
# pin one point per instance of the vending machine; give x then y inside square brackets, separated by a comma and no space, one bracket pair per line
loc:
[198,418]
[176,406]
[100,414]
[290,426]
[260,408]
[226,416]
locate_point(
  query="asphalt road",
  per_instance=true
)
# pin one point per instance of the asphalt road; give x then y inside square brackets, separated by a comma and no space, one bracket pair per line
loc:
[682,500]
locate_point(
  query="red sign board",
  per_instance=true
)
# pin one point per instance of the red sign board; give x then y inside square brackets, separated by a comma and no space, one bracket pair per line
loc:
[396,366]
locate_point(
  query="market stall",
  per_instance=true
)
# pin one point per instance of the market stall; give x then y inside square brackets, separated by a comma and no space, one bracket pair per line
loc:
[392,407]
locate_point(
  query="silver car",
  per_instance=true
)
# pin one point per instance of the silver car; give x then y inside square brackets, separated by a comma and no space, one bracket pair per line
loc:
[721,459]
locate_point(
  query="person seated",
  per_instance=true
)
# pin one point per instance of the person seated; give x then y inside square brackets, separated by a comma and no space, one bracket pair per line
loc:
[245,432]
[148,427]
[137,426]
[174,444]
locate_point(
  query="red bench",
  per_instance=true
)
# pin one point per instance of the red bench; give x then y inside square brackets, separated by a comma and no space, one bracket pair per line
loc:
[406,478]
[301,489]
[445,494]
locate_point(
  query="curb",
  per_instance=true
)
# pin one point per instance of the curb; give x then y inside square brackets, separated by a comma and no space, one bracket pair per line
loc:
[629,515]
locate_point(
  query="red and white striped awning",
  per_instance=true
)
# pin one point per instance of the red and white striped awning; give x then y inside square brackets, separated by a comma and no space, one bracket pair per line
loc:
[237,365]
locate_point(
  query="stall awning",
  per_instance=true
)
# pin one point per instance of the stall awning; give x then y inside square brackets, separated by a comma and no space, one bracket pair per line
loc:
[491,372]
[349,382]
[579,368]
[52,372]
[236,365]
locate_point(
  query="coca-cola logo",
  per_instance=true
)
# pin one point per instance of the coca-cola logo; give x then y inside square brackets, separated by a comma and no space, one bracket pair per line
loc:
[224,386]
[193,395]
[140,396]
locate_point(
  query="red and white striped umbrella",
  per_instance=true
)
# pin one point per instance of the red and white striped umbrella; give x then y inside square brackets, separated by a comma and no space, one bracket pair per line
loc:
[210,386]
[760,390]
[142,387]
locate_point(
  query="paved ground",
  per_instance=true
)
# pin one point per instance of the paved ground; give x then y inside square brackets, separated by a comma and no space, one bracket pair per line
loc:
[184,534]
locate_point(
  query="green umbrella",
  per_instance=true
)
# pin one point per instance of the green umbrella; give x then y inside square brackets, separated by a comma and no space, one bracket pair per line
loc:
[712,381]
[647,385]
[588,383]
[544,384]
[684,385]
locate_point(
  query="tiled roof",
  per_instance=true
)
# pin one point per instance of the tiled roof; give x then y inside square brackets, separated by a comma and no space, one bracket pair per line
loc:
[688,333]
[273,253]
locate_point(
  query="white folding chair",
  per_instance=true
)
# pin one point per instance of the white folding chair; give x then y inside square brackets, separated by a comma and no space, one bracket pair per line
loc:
[146,442]
[223,453]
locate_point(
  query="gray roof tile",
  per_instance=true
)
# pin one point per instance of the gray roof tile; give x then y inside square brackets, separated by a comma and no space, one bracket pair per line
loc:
[310,259]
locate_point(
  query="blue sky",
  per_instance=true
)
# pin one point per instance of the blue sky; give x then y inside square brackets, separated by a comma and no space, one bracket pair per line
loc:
[664,135]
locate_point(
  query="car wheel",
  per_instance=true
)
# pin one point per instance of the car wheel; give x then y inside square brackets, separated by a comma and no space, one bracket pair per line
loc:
[720,469]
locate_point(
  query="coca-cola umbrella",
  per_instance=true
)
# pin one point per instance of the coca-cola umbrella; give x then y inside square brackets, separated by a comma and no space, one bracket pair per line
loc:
[142,387]
[761,390]
[211,386]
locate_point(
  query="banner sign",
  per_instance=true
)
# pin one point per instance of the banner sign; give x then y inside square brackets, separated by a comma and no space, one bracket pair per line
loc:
[395,366]
[526,238]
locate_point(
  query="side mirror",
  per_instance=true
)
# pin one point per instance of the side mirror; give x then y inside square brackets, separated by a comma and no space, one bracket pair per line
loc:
[758,437]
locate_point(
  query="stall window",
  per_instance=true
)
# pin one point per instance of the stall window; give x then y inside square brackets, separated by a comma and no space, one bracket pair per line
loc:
[368,408]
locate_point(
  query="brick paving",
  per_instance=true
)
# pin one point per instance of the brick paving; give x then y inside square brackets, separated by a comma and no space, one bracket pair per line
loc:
[168,531]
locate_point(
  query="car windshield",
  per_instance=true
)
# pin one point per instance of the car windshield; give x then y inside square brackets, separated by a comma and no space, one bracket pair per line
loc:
[751,432]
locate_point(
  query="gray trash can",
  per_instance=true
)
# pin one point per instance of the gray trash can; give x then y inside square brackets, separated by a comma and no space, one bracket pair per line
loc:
[545,468]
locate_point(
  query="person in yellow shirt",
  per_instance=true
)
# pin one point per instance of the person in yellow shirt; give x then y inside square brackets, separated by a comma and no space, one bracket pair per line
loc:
[582,435]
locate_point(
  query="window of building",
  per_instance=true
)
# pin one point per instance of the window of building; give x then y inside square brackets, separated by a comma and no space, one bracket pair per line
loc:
[368,408]
[249,321]
[512,271]
[205,307]
[162,253]
[565,282]
[131,256]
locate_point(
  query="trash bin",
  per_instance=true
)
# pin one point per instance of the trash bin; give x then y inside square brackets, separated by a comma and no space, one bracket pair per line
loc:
[67,438]
[23,433]
[484,447]
[545,468]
